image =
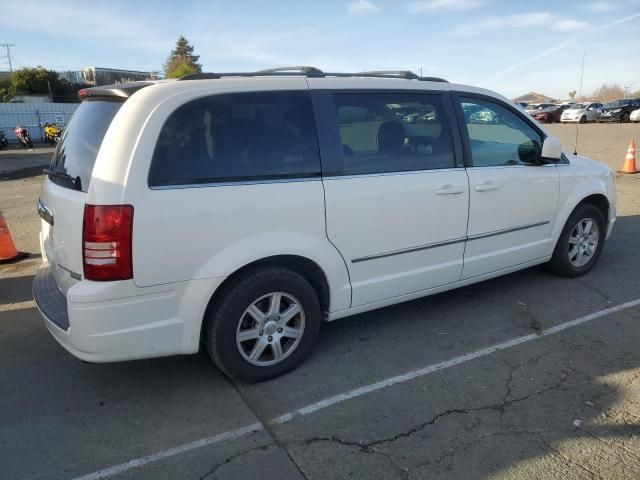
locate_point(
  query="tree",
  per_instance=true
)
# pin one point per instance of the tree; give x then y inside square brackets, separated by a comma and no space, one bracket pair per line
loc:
[35,80]
[6,91]
[608,93]
[182,59]
[181,69]
[572,95]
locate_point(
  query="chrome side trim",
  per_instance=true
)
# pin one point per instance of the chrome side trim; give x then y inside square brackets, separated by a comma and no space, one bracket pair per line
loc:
[391,174]
[235,183]
[448,242]
[506,230]
[409,250]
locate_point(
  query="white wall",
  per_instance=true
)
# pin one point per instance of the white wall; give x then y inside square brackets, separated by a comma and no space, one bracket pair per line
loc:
[32,116]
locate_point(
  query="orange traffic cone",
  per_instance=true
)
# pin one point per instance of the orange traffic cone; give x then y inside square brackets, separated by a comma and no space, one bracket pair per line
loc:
[629,165]
[8,252]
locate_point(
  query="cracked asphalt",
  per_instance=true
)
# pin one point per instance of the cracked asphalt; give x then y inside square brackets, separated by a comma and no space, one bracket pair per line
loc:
[565,405]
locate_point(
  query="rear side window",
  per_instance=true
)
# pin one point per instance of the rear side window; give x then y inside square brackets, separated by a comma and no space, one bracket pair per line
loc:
[78,148]
[237,137]
[393,132]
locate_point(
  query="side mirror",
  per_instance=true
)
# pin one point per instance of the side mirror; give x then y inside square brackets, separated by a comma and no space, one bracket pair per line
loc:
[551,149]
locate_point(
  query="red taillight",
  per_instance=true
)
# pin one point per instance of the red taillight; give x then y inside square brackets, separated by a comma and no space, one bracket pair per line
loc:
[106,242]
[82,94]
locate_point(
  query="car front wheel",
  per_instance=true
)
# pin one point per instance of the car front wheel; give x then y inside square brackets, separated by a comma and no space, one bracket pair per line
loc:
[580,242]
[263,325]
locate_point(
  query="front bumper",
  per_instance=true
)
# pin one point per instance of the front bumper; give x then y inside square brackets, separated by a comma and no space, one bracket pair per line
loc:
[614,117]
[116,321]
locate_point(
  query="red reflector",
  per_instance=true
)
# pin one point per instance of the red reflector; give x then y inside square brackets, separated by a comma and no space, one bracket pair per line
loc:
[82,93]
[106,242]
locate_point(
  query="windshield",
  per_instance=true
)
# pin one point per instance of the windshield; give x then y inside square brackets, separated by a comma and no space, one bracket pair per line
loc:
[617,103]
[578,106]
[78,148]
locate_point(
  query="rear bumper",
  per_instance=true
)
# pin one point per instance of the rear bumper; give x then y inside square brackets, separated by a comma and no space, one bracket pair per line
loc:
[116,321]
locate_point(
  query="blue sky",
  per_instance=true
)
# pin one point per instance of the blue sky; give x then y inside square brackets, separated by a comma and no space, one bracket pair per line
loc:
[508,46]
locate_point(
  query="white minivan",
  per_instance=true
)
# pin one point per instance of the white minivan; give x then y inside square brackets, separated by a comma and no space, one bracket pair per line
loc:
[239,211]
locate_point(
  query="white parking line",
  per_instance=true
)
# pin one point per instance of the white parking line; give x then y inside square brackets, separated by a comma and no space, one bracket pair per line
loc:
[357,392]
[405,377]
[186,447]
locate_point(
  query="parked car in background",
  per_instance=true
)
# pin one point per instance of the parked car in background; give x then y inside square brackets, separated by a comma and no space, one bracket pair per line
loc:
[544,112]
[522,104]
[619,110]
[240,212]
[635,116]
[581,112]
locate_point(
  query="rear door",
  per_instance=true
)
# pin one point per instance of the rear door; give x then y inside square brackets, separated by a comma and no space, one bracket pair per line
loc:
[513,201]
[64,191]
[396,200]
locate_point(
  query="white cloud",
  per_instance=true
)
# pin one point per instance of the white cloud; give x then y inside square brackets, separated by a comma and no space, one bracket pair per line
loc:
[506,21]
[561,46]
[569,25]
[602,6]
[362,7]
[429,5]
[522,20]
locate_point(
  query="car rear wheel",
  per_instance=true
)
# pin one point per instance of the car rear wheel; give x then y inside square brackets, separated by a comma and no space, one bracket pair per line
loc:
[580,242]
[583,119]
[263,325]
[625,118]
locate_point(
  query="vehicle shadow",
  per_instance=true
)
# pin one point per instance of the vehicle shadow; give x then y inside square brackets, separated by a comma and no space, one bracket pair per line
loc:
[15,289]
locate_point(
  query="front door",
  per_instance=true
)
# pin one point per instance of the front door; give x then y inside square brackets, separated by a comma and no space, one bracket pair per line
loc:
[396,203]
[513,200]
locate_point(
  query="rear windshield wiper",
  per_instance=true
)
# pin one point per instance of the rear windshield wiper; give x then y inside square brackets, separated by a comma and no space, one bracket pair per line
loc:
[76,182]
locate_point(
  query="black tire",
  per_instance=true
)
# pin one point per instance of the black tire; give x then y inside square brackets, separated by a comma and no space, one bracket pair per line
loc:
[626,118]
[29,144]
[583,119]
[560,263]
[225,313]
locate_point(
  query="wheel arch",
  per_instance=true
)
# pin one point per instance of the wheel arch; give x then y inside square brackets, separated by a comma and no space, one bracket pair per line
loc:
[596,197]
[304,266]
[598,200]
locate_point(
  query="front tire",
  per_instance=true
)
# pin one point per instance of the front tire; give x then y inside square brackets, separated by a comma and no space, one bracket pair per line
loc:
[580,243]
[625,118]
[583,119]
[263,325]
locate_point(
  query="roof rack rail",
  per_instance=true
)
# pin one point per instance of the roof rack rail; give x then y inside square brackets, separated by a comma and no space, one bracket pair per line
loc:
[312,72]
[304,69]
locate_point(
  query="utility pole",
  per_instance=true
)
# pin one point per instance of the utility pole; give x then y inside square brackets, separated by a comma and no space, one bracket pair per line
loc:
[7,47]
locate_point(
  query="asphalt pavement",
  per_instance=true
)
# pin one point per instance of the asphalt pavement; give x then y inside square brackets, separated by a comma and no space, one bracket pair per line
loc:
[526,376]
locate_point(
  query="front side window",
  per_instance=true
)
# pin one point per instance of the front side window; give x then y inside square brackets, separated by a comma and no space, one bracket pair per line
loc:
[392,132]
[498,136]
[235,137]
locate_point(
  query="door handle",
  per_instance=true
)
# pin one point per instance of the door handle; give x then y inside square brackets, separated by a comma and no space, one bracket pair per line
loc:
[450,190]
[485,187]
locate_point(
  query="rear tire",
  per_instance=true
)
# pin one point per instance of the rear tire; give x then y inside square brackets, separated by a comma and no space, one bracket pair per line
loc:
[252,340]
[579,245]
[625,118]
[583,119]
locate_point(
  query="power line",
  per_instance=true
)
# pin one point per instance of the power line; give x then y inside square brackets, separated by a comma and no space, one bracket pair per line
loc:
[7,47]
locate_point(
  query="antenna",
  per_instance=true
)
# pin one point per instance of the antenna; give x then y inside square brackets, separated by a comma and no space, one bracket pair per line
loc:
[575,147]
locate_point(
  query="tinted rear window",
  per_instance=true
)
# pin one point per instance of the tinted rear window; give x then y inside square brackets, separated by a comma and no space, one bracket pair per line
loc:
[81,140]
[237,137]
